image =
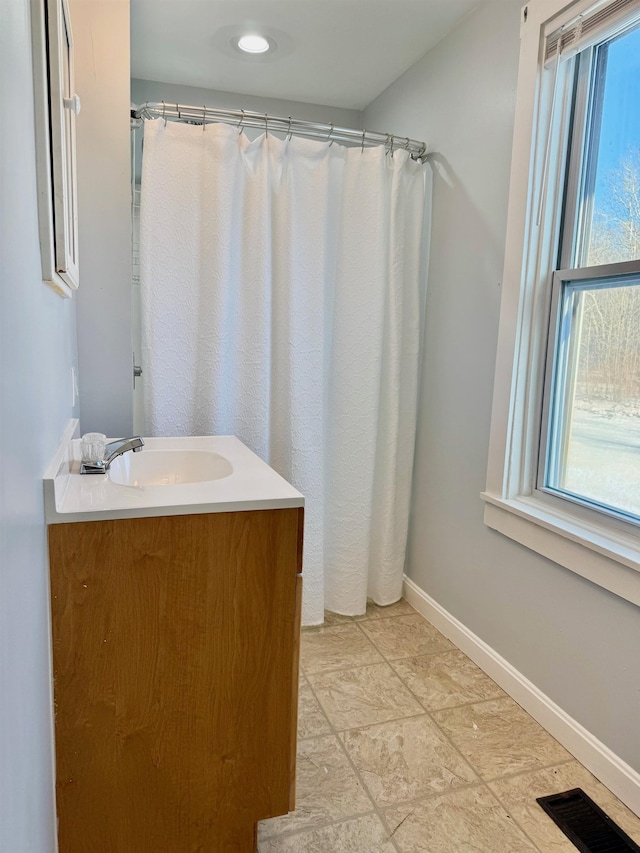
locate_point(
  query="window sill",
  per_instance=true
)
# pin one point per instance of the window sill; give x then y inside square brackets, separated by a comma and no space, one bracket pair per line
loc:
[606,557]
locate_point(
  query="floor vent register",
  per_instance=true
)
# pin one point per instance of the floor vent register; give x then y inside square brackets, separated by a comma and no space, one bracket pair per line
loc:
[585,824]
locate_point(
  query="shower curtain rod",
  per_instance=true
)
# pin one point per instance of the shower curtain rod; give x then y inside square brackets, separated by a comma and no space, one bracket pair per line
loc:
[289,126]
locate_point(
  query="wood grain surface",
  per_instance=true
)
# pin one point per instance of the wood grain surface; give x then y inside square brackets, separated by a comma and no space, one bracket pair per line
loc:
[175,663]
[295,685]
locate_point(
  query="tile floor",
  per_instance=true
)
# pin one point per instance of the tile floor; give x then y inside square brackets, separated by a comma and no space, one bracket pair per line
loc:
[405,746]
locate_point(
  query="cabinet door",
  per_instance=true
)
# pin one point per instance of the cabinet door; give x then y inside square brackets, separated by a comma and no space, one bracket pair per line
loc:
[295,682]
[174,641]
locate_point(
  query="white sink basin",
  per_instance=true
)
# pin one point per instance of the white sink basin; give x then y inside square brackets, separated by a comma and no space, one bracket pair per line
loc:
[168,467]
[180,475]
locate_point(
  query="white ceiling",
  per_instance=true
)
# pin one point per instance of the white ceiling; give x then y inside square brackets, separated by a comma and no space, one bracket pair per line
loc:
[341,53]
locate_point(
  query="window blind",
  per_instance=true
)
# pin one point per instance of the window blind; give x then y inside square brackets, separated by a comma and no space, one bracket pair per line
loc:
[593,26]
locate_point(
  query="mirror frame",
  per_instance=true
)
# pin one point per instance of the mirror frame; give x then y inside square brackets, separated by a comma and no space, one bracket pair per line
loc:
[55,108]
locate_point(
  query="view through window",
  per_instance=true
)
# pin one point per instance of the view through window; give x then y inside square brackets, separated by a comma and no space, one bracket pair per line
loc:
[593,444]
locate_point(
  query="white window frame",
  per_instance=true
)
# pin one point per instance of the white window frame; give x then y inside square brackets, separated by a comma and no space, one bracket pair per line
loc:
[586,542]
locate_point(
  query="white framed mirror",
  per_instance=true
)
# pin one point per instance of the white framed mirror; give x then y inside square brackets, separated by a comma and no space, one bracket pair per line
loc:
[56,106]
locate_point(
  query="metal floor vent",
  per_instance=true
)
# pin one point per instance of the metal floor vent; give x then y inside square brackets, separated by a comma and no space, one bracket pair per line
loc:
[585,824]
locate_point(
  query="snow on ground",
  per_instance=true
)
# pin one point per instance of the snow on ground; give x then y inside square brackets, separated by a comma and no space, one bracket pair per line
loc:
[603,462]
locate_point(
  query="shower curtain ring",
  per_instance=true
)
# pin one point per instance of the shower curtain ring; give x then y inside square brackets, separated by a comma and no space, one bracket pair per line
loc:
[392,139]
[164,113]
[266,126]
[330,140]
[290,134]
[362,147]
[241,125]
[204,116]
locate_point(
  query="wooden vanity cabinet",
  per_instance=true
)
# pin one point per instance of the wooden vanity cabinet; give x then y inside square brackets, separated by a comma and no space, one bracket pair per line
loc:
[175,657]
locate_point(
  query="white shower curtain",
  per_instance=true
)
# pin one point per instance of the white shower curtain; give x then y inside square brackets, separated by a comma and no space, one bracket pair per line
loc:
[282,303]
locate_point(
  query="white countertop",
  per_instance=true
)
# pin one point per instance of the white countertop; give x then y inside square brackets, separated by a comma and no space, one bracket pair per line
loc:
[71,496]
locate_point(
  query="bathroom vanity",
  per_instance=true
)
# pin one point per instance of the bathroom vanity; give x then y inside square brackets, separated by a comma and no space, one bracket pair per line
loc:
[175,621]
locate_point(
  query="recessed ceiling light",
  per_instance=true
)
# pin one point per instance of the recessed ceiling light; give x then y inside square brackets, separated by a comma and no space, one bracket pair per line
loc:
[253,44]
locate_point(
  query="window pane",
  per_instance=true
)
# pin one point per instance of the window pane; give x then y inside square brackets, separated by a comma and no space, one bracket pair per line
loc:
[610,203]
[595,441]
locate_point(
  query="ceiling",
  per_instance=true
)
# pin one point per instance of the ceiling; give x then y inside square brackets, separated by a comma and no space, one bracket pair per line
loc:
[341,53]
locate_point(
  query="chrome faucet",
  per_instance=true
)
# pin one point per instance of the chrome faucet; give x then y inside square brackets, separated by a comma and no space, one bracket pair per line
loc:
[112,450]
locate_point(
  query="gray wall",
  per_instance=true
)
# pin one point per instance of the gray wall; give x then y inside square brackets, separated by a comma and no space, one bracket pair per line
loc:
[37,352]
[575,641]
[101,44]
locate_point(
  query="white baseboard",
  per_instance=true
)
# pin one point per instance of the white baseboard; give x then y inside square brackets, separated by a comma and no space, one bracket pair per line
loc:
[605,765]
